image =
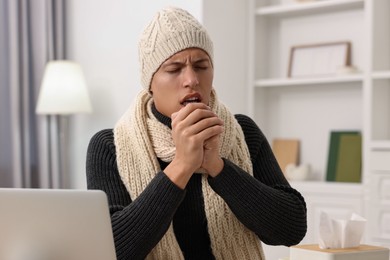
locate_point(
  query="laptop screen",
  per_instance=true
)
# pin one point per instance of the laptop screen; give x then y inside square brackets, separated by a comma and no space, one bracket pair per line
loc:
[55,225]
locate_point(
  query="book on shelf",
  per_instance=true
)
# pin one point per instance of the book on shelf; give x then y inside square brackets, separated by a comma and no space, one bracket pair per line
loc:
[286,152]
[344,156]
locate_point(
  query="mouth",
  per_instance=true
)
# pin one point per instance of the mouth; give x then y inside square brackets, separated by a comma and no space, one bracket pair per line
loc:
[194,98]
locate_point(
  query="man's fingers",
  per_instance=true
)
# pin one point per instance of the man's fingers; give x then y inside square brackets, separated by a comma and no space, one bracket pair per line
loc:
[188,109]
[205,124]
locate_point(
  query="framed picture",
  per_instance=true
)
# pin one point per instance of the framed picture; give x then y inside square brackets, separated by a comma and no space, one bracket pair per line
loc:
[319,59]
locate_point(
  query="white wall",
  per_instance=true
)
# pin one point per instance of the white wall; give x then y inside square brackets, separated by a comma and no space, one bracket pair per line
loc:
[227,23]
[103,36]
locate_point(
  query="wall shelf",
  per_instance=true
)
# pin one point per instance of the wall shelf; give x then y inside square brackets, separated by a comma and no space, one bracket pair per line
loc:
[265,83]
[381,74]
[322,187]
[383,145]
[308,8]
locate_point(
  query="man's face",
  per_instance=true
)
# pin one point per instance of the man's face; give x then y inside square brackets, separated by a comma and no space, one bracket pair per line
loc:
[185,77]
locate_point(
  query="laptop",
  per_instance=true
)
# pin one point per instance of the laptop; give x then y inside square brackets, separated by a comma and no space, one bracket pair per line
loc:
[45,224]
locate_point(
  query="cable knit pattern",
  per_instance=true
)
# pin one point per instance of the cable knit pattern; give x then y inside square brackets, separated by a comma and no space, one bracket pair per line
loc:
[140,138]
[265,203]
[171,30]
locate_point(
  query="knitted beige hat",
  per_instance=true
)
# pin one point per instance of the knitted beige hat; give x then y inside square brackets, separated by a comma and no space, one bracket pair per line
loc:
[171,30]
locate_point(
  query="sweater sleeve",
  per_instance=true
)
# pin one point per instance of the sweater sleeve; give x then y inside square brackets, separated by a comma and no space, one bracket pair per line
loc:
[140,224]
[265,203]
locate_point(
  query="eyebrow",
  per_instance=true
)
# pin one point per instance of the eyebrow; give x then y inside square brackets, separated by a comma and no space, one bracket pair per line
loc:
[179,63]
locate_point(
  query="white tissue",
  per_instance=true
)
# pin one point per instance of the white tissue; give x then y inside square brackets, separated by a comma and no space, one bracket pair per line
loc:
[338,233]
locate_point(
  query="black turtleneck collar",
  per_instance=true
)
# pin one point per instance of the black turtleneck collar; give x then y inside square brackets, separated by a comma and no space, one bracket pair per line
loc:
[160,117]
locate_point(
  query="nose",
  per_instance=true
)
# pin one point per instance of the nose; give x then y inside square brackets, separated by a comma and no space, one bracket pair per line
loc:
[190,78]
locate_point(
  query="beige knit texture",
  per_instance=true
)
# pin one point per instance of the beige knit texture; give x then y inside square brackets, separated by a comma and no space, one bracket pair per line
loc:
[137,137]
[170,31]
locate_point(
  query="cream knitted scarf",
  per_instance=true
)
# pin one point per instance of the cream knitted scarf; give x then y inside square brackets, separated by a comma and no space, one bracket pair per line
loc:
[140,139]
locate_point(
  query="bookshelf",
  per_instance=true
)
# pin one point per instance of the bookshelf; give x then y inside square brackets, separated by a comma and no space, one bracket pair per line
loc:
[310,108]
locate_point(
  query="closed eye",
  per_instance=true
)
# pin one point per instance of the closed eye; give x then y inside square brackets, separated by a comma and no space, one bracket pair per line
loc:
[201,68]
[173,70]
[202,64]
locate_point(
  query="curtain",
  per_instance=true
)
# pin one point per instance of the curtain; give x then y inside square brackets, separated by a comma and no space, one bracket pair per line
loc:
[32,32]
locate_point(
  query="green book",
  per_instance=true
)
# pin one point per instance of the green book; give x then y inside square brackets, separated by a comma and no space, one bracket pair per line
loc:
[333,154]
[349,161]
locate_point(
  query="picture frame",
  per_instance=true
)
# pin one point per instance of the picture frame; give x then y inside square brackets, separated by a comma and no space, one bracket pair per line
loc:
[322,59]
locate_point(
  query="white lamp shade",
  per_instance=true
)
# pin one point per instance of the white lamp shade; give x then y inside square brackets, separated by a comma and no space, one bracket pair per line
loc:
[63,89]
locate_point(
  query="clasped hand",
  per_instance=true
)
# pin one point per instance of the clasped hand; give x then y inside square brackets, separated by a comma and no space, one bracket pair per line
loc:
[196,134]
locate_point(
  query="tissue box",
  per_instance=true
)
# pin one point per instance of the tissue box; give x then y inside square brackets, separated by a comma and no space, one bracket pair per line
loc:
[362,252]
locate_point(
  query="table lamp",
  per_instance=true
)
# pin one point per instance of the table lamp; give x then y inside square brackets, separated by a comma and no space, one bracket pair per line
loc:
[63,92]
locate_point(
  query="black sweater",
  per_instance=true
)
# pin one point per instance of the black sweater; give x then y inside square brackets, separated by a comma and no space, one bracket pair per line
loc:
[266,204]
